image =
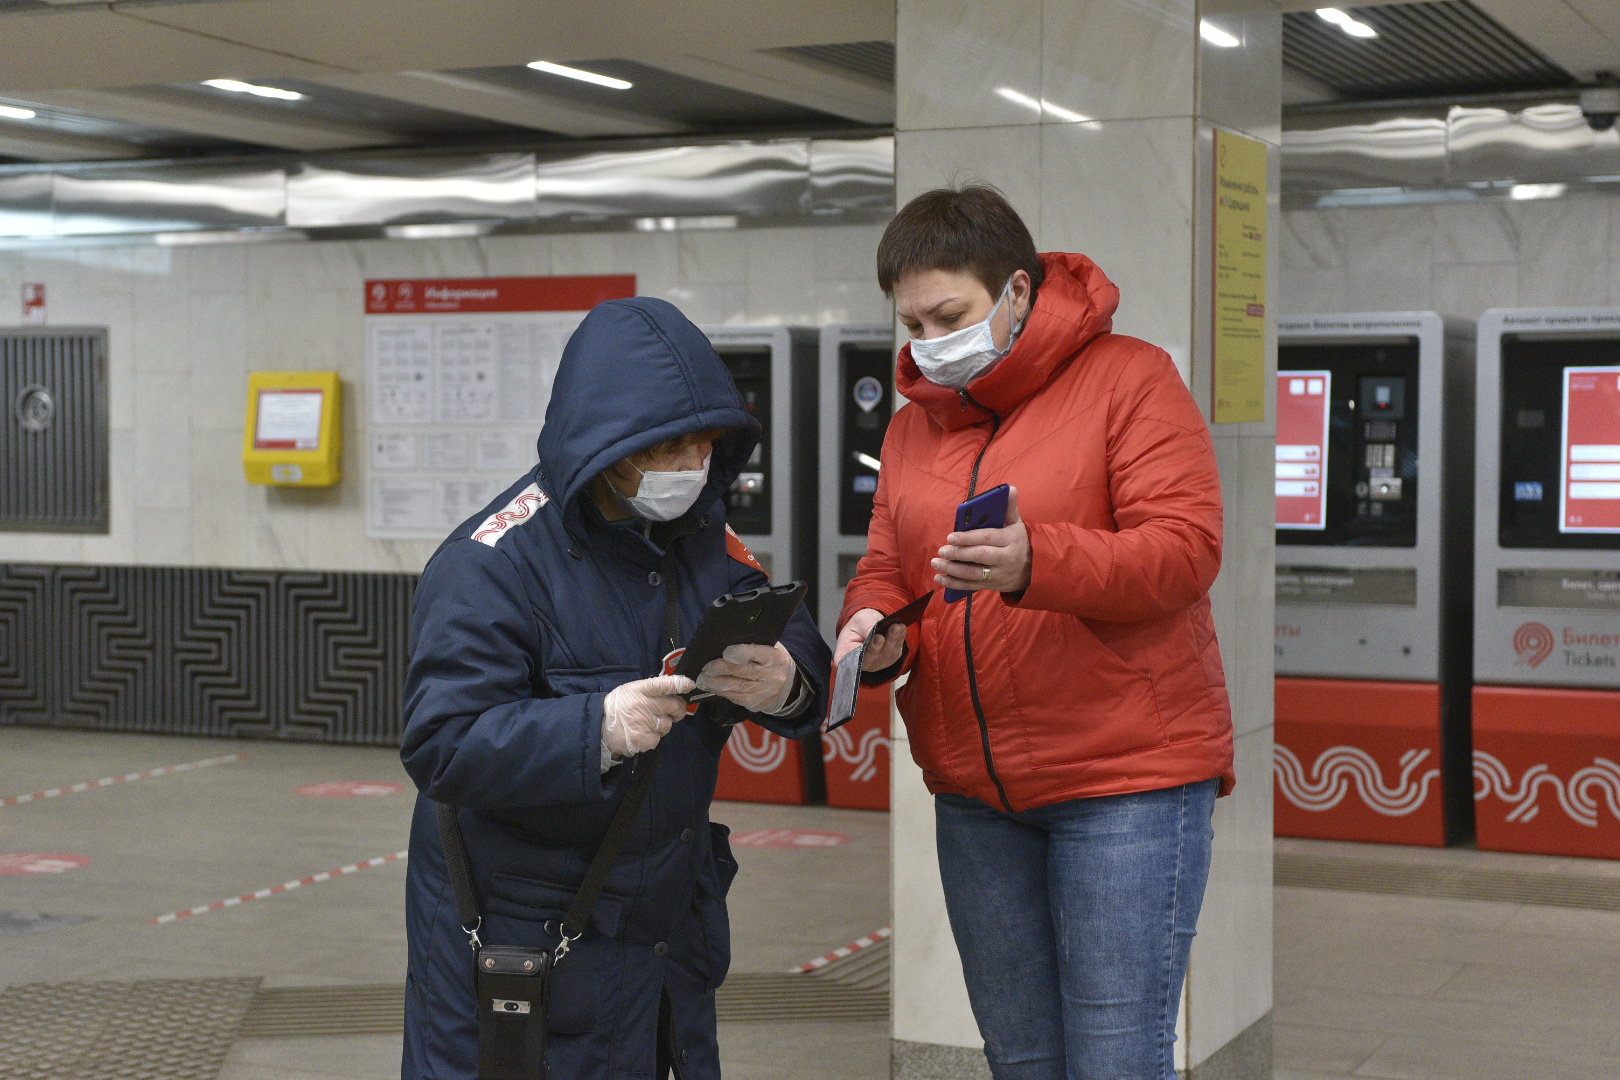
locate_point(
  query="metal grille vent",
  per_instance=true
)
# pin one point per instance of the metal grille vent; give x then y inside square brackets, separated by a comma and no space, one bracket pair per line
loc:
[53,430]
[1449,47]
[1448,882]
[874,59]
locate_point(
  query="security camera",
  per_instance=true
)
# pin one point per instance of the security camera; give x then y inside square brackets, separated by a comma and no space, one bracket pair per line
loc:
[1601,104]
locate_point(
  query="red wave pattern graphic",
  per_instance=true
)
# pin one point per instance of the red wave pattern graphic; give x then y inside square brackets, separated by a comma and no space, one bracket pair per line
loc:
[1491,777]
[1338,768]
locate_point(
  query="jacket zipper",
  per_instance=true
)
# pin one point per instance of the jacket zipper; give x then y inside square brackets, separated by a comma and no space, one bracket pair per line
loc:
[967,620]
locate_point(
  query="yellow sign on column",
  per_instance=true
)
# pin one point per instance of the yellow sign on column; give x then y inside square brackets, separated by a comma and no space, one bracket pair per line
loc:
[1239,348]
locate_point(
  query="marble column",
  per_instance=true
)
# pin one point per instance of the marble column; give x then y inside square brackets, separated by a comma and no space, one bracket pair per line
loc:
[1096,119]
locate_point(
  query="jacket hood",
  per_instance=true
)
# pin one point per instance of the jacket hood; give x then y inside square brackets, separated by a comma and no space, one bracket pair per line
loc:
[1075,305]
[637,372]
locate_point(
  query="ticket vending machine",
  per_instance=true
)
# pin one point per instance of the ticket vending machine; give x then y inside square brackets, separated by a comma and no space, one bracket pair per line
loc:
[857,400]
[1374,516]
[772,507]
[1547,582]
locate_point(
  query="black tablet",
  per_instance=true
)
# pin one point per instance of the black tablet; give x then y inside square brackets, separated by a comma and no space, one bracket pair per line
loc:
[755,617]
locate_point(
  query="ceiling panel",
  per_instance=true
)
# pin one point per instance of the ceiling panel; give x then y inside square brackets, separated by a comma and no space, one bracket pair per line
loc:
[431,35]
[873,59]
[97,47]
[655,92]
[1446,47]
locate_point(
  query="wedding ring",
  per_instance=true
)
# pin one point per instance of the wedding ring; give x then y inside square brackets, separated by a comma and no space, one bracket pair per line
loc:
[986,574]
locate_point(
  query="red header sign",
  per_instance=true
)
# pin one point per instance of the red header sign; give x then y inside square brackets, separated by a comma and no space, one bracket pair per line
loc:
[448,296]
[1590,495]
[1302,437]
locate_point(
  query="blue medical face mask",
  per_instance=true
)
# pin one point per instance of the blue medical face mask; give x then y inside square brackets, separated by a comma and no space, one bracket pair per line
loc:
[963,355]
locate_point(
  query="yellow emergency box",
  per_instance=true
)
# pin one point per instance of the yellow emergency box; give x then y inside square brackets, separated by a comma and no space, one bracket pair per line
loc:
[294,435]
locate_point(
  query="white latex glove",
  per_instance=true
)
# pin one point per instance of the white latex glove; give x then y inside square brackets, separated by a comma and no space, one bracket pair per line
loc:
[757,677]
[638,714]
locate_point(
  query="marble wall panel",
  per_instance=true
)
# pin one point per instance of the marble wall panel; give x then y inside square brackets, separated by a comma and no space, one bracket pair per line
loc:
[1229,976]
[186,326]
[1240,87]
[1243,595]
[1480,255]
[930,1002]
[1123,195]
[1467,291]
[952,55]
[1118,59]
[1483,232]
[1563,252]
[1312,239]
[1389,255]
[1007,157]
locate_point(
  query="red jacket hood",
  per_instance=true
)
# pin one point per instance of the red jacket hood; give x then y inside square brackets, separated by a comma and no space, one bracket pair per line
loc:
[1075,304]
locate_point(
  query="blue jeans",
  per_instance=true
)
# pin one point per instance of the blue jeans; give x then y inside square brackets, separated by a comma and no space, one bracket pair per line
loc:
[1074,922]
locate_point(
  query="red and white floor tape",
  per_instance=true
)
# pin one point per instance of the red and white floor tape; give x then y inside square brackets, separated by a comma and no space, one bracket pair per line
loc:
[126,778]
[839,953]
[288,886]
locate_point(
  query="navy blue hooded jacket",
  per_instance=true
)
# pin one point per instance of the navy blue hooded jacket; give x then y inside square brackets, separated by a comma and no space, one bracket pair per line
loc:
[525,618]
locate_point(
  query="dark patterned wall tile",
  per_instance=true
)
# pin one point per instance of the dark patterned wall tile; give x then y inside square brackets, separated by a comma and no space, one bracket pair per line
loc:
[253,653]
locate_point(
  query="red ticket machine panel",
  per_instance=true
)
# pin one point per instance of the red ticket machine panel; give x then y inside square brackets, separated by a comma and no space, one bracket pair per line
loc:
[857,754]
[1302,439]
[1359,760]
[1589,496]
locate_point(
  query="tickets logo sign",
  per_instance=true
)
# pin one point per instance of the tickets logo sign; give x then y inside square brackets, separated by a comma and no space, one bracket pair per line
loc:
[1533,642]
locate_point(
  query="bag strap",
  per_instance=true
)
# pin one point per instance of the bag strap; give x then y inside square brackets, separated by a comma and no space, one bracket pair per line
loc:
[613,841]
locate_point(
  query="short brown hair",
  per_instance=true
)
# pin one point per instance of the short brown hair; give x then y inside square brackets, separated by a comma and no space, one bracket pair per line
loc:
[972,228]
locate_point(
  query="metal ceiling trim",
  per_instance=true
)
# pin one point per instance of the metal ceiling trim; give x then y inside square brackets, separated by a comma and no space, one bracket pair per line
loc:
[1474,152]
[698,184]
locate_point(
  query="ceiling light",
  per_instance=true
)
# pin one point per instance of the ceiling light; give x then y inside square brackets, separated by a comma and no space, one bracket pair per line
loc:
[11,112]
[1043,106]
[1537,191]
[583,76]
[237,87]
[1353,27]
[1216,36]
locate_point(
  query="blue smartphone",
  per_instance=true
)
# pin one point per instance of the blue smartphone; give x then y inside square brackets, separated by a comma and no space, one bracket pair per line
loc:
[986,511]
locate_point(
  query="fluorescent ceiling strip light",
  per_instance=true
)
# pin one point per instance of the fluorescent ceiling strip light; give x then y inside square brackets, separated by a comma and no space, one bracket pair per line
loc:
[1537,191]
[1216,36]
[236,86]
[1350,25]
[583,76]
[11,112]
[1043,106]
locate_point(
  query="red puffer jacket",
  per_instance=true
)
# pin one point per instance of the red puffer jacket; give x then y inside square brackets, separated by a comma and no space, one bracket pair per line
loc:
[1104,677]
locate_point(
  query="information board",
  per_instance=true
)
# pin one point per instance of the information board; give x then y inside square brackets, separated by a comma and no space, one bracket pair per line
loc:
[1302,448]
[289,419]
[1589,496]
[459,373]
[1239,344]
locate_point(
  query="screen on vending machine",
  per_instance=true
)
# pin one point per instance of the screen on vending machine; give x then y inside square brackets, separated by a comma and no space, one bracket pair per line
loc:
[1560,440]
[1589,487]
[1302,448]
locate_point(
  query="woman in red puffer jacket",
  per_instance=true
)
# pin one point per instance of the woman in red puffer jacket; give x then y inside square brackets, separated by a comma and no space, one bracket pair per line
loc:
[1070,715]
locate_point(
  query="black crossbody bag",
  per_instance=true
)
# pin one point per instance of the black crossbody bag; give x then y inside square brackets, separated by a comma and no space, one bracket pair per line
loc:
[513,984]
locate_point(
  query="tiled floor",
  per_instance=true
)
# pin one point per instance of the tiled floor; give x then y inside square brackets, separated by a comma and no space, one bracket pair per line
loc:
[171,842]
[1391,987]
[1409,988]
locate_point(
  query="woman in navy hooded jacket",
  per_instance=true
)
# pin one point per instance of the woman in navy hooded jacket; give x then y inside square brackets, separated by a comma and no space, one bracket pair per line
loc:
[536,664]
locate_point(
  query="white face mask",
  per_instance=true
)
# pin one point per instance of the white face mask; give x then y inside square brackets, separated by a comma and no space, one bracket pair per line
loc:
[665,496]
[962,356]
